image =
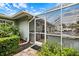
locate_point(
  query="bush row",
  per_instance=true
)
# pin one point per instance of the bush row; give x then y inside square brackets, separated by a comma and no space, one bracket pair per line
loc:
[9,45]
[54,49]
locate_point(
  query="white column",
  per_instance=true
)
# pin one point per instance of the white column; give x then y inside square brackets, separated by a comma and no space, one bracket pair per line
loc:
[34,31]
[45,30]
[28,33]
[61,27]
[34,28]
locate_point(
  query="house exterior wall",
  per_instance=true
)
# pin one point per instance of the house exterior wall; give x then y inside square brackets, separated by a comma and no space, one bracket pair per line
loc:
[23,26]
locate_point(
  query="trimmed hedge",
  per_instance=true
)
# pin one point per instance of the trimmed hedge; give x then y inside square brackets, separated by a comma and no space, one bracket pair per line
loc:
[9,45]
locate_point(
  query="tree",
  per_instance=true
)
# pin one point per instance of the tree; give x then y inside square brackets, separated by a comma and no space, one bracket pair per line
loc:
[75,26]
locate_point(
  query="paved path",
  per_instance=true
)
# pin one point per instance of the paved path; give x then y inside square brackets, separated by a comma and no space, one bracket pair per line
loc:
[28,49]
[27,52]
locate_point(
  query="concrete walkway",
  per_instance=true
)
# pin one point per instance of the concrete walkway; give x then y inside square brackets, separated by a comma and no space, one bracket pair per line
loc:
[27,52]
[28,49]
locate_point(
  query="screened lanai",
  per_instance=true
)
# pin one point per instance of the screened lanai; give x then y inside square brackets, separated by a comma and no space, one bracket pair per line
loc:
[59,24]
[43,27]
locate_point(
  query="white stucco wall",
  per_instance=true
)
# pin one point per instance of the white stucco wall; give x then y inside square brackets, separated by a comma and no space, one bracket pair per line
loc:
[23,26]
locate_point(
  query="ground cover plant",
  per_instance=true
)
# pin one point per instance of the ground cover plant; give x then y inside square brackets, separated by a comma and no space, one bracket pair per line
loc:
[54,49]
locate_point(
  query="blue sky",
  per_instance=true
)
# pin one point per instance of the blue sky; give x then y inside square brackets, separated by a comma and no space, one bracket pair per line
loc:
[33,8]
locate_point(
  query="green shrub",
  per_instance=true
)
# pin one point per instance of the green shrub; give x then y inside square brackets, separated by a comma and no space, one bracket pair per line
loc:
[54,49]
[45,50]
[69,52]
[49,49]
[8,45]
[7,30]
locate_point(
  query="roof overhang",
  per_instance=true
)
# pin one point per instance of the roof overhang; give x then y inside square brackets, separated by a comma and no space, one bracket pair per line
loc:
[18,15]
[21,14]
[2,16]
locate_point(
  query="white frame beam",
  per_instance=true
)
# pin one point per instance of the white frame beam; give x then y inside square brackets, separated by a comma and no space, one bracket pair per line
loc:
[28,27]
[61,28]
[32,19]
[34,31]
[45,39]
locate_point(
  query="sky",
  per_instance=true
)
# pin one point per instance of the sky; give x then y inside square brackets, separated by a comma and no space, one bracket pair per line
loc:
[33,8]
